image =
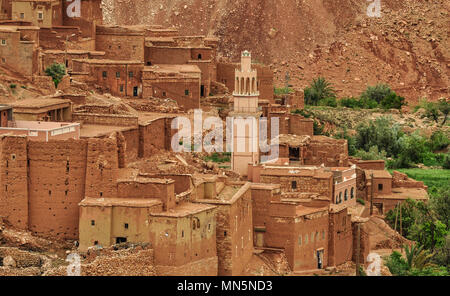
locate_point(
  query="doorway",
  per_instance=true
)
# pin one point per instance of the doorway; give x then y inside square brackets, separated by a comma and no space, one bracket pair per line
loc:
[202,91]
[120,240]
[135,91]
[294,154]
[319,259]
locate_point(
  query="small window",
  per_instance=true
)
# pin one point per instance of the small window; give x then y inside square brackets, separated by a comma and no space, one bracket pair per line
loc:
[300,240]
[164,94]
[22,15]
[186,92]
[193,225]
[199,56]
[224,233]
[294,184]
[3,41]
[380,187]
[92,222]
[126,225]
[130,74]
[40,15]
[104,74]
[346,194]
[182,233]
[121,88]
[117,74]
[198,223]
[352,193]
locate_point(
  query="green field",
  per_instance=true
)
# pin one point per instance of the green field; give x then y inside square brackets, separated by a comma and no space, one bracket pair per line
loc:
[432,178]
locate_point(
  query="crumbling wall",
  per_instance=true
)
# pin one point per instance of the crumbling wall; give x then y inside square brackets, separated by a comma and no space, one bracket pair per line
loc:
[13,180]
[105,119]
[202,267]
[340,237]
[364,241]
[57,172]
[102,167]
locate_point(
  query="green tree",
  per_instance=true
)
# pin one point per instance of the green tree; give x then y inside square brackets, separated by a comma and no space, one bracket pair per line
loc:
[319,90]
[56,71]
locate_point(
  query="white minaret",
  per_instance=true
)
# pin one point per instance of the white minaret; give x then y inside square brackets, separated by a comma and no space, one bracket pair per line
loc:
[245,117]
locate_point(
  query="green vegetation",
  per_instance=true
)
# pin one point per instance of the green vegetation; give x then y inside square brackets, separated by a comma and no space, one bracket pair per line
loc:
[383,139]
[12,86]
[416,263]
[434,110]
[282,90]
[56,71]
[320,92]
[378,96]
[219,157]
[361,201]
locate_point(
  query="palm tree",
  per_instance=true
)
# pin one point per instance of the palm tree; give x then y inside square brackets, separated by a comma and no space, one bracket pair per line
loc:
[318,90]
[417,257]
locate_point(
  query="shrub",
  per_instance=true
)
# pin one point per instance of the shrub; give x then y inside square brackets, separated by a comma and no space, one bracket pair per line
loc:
[376,93]
[282,90]
[331,102]
[56,71]
[361,201]
[350,102]
[12,86]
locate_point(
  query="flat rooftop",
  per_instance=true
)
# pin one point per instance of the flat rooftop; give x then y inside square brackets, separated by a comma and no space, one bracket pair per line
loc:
[41,125]
[176,68]
[108,62]
[123,202]
[379,174]
[39,103]
[94,130]
[5,107]
[405,193]
[184,209]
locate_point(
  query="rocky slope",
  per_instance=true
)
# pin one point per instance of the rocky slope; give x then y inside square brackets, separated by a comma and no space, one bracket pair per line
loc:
[407,47]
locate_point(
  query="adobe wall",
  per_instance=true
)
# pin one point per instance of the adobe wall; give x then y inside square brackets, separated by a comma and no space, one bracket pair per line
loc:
[340,237]
[327,151]
[178,241]
[167,55]
[364,242]
[298,125]
[102,167]
[369,164]
[174,88]
[57,173]
[202,267]
[314,226]
[148,143]
[13,180]
[120,43]
[234,235]
[119,86]
[105,119]
[310,184]
[402,180]
[131,138]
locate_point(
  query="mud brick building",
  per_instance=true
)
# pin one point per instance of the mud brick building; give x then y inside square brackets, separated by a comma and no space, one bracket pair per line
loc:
[18,50]
[43,109]
[234,223]
[41,13]
[389,191]
[119,77]
[181,83]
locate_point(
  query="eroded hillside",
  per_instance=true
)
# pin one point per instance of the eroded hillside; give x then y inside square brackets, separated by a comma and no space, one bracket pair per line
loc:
[407,47]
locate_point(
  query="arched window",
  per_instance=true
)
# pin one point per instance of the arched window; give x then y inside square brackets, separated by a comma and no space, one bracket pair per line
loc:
[337,199]
[352,193]
[199,56]
[340,197]
[346,194]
